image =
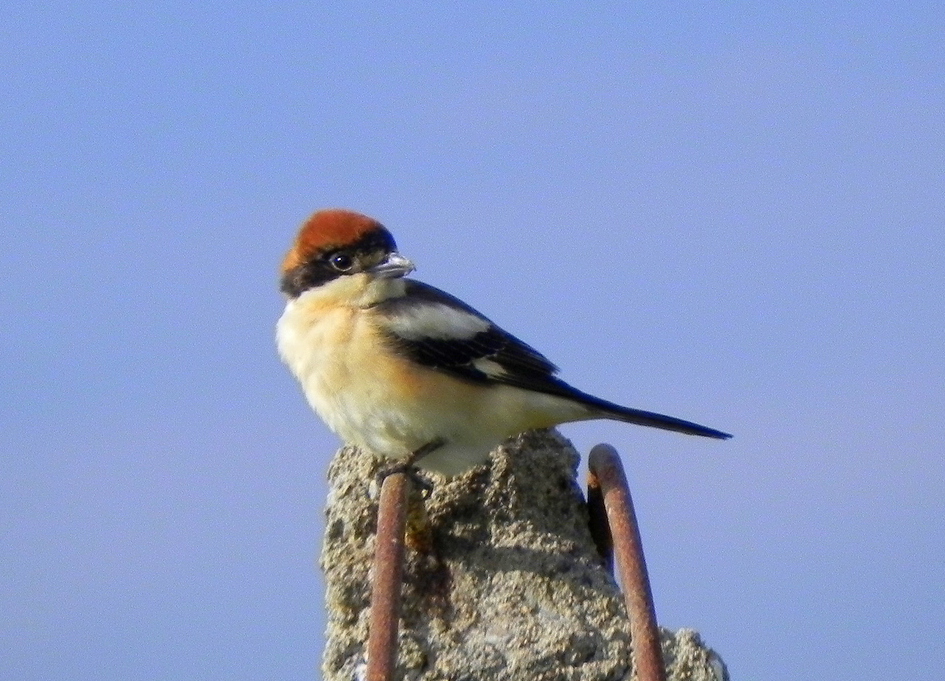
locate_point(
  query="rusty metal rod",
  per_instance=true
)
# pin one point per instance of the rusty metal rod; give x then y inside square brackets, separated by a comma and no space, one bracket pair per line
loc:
[607,474]
[388,575]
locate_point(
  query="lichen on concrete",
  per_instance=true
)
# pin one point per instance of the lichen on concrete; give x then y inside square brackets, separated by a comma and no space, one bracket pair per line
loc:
[502,580]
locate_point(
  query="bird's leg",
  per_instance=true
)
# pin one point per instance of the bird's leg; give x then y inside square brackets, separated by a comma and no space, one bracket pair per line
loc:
[408,465]
[423,451]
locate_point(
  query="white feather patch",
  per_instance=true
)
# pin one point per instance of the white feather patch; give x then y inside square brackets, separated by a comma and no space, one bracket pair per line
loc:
[490,368]
[438,321]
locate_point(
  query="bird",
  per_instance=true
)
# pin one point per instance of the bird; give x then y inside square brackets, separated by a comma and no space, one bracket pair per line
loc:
[410,372]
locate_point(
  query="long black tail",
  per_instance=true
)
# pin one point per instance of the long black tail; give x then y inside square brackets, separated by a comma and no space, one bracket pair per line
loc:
[651,419]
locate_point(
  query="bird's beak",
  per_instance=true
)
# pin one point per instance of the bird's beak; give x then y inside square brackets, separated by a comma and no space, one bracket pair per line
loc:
[393,266]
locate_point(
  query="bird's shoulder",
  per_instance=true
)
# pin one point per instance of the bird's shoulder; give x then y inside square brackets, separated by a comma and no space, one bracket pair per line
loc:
[438,330]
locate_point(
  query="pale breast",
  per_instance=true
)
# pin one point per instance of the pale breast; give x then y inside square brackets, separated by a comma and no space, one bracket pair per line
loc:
[355,386]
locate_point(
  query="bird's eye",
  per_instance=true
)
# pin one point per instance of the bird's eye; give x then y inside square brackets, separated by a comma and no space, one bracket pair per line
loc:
[342,262]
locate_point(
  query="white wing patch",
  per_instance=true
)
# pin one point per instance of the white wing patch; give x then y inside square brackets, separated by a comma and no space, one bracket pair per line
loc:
[436,321]
[490,368]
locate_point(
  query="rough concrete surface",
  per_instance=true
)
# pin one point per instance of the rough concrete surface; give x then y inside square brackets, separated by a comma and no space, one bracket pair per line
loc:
[502,580]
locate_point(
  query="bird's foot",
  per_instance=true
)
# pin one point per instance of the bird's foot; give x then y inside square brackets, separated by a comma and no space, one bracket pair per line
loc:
[407,468]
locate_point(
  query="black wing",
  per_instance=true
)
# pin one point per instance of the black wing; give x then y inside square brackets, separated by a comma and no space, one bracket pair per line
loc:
[470,346]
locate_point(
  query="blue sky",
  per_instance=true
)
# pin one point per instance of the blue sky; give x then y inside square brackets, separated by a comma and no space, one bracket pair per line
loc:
[729,212]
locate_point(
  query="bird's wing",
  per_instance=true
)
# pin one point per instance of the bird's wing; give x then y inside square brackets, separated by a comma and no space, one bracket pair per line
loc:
[441,332]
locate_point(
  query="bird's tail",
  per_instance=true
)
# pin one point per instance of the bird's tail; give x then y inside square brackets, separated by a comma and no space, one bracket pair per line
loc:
[651,419]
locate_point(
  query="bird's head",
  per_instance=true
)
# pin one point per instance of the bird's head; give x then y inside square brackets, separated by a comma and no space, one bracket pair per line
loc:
[340,243]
